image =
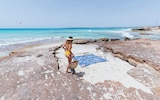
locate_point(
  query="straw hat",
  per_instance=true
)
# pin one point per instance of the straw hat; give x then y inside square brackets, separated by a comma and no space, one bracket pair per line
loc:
[70,38]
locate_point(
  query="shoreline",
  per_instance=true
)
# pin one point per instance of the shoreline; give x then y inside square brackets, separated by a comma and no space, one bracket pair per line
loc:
[99,42]
[5,51]
[4,54]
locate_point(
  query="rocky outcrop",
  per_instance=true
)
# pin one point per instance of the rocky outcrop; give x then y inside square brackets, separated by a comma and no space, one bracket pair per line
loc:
[144,55]
[85,41]
[136,51]
[102,40]
[142,30]
[116,91]
[34,75]
[148,76]
[127,39]
[114,39]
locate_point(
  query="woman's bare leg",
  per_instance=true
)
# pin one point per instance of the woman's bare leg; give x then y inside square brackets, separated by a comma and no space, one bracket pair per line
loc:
[69,61]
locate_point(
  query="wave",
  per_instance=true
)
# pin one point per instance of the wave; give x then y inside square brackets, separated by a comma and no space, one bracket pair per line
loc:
[126,34]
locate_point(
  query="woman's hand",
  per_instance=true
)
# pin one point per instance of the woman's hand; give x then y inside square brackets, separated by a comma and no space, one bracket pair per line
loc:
[72,55]
[64,47]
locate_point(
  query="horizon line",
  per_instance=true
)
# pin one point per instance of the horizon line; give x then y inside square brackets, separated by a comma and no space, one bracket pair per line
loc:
[73,27]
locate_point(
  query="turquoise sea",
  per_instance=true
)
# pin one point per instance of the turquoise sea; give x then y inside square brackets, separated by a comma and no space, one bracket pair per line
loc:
[12,38]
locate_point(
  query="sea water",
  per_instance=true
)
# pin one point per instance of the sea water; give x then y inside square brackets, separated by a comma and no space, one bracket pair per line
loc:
[18,37]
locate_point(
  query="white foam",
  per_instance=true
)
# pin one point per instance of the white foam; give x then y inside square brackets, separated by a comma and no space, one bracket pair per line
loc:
[89,31]
[6,42]
[126,34]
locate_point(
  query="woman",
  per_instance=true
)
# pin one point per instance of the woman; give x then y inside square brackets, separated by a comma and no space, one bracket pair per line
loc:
[68,53]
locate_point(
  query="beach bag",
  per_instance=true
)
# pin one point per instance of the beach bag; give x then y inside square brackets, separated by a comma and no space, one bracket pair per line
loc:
[73,64]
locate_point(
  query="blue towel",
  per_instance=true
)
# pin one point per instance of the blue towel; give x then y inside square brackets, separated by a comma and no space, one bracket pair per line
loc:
[88,59]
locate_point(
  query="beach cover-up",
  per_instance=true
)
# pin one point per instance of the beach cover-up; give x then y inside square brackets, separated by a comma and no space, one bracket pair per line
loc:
[88,59]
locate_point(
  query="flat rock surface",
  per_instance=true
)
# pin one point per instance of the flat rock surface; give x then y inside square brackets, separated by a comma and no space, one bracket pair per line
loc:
[32,74]
[144,55]
[137,51]
[113,69]
[148,76]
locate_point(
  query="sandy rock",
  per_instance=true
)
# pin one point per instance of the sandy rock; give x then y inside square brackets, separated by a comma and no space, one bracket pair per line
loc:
[115,90]
[22,78]
[127,39]
[156,90]
[102,40]
[114,39]
[140,50]
[147,76]
[83,41]
[142,29]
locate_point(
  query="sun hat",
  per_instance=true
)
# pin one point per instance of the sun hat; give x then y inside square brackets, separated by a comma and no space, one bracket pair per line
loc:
[70,38]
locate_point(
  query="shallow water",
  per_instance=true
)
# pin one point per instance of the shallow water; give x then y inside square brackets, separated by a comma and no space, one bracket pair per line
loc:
[11,39]
[5,53]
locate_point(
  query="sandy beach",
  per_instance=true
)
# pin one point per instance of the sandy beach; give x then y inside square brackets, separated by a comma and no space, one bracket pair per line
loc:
[33,69]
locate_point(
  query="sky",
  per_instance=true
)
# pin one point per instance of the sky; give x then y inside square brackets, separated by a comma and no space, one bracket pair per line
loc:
[78,13]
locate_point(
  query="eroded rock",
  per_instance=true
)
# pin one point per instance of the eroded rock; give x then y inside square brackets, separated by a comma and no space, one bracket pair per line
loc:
[138,51]
[83,41]
[22,78]
[148,76]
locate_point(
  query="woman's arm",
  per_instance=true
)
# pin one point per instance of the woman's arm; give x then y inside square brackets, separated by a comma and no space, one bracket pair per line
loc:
[64,46]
